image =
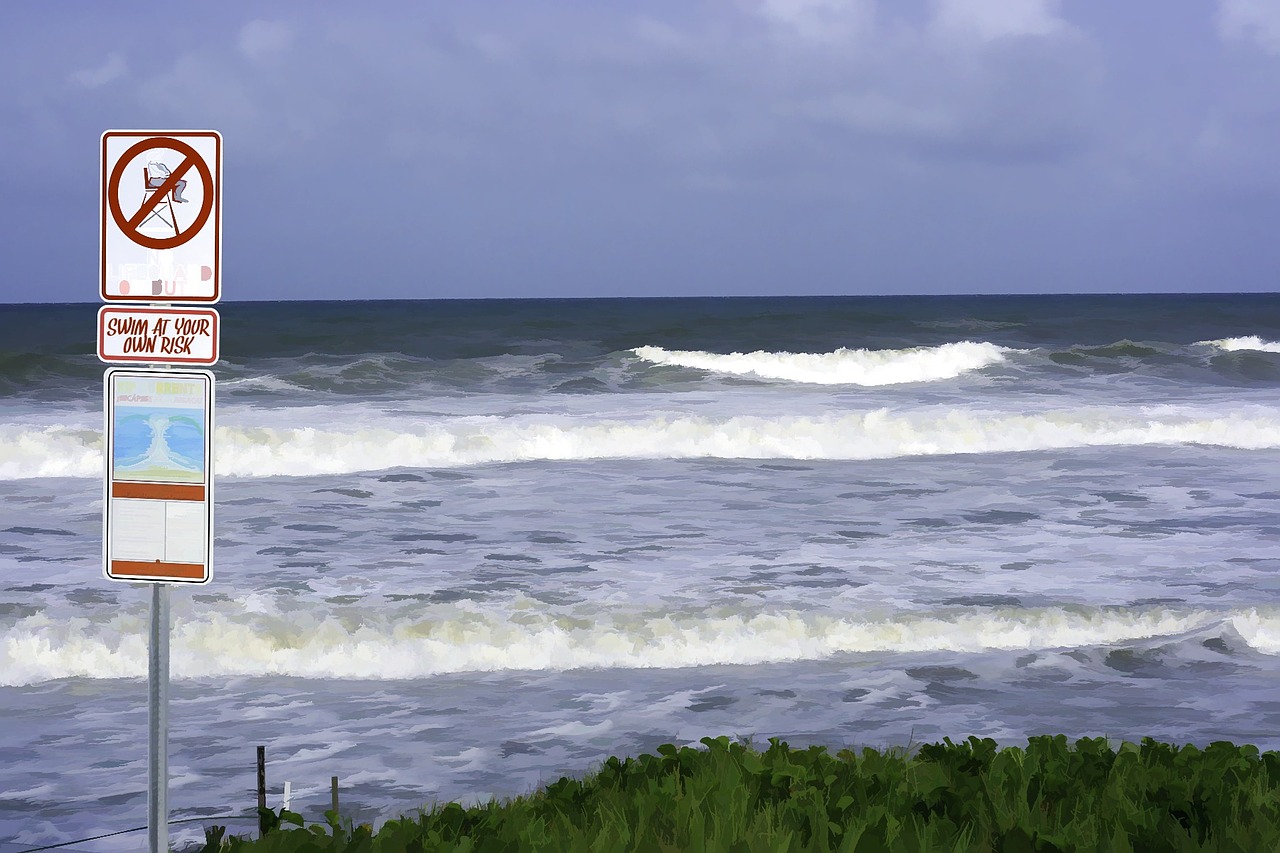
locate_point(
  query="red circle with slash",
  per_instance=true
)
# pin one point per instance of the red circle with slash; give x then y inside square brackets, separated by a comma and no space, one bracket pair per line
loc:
[129,225]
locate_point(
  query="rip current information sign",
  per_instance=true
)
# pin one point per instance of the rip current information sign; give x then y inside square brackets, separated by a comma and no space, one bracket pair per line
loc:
[159,490]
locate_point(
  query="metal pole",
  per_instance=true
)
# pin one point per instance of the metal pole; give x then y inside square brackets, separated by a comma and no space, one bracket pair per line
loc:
[158,722]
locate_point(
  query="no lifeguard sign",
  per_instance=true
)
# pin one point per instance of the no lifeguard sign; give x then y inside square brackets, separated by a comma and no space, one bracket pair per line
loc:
[161,216]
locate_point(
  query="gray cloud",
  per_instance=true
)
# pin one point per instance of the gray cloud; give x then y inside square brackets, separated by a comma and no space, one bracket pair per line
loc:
[989,20]
[1256,21]
[820,143]
[260,40]
[113,68]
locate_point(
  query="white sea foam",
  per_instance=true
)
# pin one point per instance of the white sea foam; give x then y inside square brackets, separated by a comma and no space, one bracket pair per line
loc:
[217,644]
[393,442]
[29,450]
[1250,342]
[1260,629]
[842,367]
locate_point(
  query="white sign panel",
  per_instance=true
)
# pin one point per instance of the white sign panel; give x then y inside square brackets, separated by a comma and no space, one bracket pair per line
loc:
[158,501]
[161,216]
[157,335]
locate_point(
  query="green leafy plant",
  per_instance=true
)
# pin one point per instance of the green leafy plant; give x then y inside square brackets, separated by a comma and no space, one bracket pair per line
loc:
[949,796]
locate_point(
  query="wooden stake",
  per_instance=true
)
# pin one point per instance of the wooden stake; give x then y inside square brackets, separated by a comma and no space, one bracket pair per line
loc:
[333,791]
[262,789]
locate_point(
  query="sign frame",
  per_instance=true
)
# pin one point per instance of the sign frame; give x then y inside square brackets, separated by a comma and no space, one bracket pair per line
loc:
[114,219]
[209,315]
[155,495]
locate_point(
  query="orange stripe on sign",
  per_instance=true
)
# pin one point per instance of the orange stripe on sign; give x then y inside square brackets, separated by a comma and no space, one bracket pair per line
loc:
[157,569]
[157,491]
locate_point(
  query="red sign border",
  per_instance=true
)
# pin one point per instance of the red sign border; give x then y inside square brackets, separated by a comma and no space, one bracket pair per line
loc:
[216,216]
[146,359]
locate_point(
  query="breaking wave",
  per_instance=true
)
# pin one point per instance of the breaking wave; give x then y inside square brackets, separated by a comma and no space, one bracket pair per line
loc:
[842,367]
[55,451]
[524,638]
[1251,342]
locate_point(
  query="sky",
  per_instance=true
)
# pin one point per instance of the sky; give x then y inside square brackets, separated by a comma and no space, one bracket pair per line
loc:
[571,148]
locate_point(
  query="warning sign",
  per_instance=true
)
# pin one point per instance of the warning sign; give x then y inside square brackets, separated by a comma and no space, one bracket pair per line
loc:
[161,216]
[158,501]
[157,335]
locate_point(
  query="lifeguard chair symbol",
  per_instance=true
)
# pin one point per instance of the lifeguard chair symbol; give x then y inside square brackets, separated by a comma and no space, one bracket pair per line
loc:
[150,185]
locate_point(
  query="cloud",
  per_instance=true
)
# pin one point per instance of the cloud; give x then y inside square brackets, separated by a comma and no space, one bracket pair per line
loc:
[876,113]
[262,39]
[988,20]
[645,138]
[1251,20]
[200,89]
[821,20]
[989,82]
[494,47]
[760,92]
[92,78]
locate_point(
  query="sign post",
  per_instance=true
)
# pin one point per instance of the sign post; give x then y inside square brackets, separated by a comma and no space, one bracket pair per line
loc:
[158,722]
[161,241]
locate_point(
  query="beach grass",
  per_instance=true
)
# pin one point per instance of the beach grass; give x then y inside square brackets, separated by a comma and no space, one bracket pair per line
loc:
[967,796]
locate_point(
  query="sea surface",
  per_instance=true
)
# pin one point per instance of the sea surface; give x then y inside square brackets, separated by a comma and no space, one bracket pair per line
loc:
[466,547]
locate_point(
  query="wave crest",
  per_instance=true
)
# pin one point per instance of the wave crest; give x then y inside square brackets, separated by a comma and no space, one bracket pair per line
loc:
[1249,342]
[524,638]
[842,367]
[458,442]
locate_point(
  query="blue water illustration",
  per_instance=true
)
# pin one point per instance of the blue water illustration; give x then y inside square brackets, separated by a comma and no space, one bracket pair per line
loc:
[154,443]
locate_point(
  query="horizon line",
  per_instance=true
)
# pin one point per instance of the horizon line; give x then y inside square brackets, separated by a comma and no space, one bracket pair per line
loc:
[975,294]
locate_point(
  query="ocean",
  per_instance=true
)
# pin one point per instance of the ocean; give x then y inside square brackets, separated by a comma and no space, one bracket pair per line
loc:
[463,548]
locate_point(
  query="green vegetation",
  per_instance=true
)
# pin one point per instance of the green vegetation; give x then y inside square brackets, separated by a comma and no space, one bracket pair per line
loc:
[968,796]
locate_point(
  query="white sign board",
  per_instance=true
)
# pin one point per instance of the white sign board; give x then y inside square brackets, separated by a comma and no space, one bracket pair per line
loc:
[157,335]
[161,216]
[158,501]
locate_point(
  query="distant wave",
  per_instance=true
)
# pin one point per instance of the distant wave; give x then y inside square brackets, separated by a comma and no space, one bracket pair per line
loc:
[457,442]
[1119,349]
[842,367]
[1251,342]
[417,645]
